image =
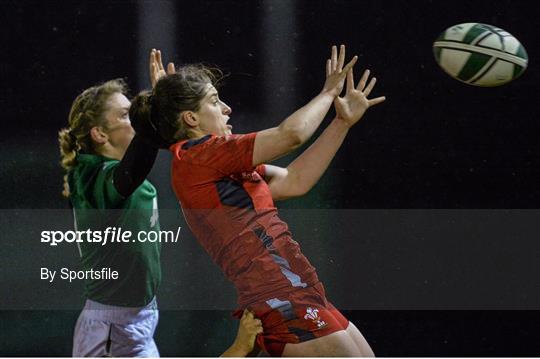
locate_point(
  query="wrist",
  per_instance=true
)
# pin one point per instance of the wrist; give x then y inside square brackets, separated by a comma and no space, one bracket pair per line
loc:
[341,123]
[328,94]
[240,348]
[233,352]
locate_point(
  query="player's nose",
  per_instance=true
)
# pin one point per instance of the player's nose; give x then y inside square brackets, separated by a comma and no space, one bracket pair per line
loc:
[226,109]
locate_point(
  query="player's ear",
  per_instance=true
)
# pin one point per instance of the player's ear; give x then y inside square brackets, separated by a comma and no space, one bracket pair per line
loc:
[98,135]
[189,118]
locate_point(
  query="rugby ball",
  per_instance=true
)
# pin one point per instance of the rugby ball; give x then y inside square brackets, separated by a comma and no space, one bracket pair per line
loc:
[480,54]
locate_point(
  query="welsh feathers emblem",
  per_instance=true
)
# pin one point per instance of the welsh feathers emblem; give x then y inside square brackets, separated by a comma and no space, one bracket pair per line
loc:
[313,315]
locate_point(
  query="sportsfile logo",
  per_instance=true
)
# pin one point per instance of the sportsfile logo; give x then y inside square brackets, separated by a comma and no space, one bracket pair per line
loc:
[109,235]
[313,315]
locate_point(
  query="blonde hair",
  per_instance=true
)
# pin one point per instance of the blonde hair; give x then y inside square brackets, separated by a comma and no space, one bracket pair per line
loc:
[86,112]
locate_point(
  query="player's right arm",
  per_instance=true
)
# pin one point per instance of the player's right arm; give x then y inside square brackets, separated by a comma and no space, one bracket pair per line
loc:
[300,126]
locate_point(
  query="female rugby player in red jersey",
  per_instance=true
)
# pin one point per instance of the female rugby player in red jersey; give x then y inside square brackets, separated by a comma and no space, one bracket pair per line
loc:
[226,192]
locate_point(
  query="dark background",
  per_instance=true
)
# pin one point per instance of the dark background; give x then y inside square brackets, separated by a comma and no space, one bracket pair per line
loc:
[435,144]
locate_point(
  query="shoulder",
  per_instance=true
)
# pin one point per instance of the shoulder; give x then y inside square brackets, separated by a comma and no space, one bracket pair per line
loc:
[182,147]
[210,141]
[145,192]
[206,147]
[90,167]
[96,170]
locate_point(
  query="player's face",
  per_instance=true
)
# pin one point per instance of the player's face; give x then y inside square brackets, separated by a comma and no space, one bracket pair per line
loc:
[213,114]
[118,126]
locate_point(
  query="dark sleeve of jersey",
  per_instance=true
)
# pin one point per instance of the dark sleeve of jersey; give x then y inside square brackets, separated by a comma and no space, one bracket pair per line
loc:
[134,167]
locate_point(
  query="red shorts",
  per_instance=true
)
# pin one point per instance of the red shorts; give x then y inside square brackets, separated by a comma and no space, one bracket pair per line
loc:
[296,317]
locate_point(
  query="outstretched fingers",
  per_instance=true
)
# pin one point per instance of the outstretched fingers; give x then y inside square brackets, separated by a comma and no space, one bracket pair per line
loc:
[170,68]
[363,81]
[333,58]
[376,101]
[366,90]
[152,60]
[328,67]
[341,58]
[350,80]
[336,62]
[370,86]
[350,65]
[158,61]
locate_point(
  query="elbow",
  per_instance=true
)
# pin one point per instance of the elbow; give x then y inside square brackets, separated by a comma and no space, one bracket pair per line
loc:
[298,185]
[296,141]
[302,190]
[294,135]
[292,193]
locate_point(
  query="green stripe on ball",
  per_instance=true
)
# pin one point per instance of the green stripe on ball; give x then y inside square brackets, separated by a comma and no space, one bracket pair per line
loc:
[473,33]
[474,64]
[522,53]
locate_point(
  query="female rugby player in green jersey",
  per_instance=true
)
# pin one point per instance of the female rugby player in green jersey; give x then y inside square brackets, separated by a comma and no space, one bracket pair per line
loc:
[107,165]
[106,184]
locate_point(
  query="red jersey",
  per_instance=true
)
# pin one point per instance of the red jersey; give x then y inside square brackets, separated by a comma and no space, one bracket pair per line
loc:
[229,208]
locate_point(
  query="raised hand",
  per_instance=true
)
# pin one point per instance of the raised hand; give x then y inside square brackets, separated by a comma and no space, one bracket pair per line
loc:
[156,69]
[335,72]
[355,103]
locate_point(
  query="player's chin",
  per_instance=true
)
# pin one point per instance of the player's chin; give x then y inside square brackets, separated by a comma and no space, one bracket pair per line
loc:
[130,133]
[128,137]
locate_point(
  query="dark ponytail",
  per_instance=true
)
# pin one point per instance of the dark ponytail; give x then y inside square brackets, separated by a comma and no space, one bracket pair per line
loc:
[143,119]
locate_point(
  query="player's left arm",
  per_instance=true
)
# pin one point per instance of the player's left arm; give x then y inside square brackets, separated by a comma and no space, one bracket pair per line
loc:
[304,172]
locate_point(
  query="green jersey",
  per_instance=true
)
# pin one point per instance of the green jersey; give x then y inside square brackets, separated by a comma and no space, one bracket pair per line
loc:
[98,206]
